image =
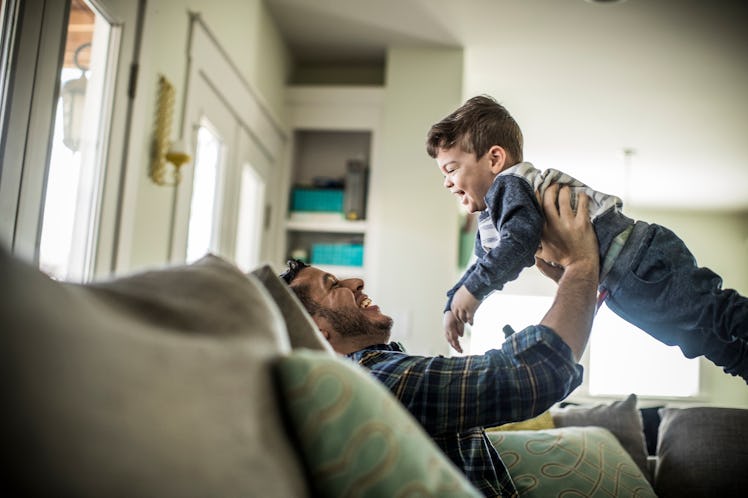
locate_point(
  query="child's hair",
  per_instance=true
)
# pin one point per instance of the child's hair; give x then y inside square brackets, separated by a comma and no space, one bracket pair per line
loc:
[476,126]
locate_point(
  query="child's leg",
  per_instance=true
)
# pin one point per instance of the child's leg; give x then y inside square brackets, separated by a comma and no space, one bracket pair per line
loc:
[667,295]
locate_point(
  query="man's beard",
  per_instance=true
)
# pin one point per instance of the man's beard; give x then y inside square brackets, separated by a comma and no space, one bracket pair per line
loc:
[354,322]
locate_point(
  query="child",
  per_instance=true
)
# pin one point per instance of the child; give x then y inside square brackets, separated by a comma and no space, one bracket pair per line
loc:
[648,276]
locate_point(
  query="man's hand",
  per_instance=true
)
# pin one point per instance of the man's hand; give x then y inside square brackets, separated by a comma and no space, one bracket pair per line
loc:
[453,329]
[569,241]
[568,236]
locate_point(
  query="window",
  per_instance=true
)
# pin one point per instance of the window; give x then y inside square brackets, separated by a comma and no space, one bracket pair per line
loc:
[7,14]
[201,234]
[625,359]
[76,167]
[78,192]
[251,214]
[622,358]
[220,202]
[499,310]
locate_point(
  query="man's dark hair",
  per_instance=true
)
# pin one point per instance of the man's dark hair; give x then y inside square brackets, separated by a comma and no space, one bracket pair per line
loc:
[476,126]
[293,268]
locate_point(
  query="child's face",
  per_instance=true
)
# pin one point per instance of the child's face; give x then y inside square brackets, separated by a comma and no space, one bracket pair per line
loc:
[467,176]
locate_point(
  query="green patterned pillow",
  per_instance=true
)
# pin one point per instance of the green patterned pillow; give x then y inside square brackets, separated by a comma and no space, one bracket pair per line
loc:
[573,461]
[355,437]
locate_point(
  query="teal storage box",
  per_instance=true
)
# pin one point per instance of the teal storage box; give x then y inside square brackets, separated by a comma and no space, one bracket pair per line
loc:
[315,199]
[338,254]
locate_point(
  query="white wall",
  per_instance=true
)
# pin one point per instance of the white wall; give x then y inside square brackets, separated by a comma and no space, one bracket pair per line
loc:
[250,38]
[413,243]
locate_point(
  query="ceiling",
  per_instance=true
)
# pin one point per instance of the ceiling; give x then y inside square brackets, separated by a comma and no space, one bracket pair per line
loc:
[667,79]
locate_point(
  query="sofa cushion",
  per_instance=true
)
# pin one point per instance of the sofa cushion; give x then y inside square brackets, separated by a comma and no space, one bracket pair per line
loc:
[542,421]
[302,331]
[357,439]
[622,418]
[702,452]
[158,384]
[573,461]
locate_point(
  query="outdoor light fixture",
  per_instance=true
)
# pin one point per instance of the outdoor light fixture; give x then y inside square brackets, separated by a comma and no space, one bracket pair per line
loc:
[73,96]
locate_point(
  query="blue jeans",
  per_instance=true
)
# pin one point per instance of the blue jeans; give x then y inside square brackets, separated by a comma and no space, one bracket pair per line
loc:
[656,285]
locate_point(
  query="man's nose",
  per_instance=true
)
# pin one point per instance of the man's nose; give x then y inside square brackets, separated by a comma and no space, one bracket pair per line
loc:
[447,182]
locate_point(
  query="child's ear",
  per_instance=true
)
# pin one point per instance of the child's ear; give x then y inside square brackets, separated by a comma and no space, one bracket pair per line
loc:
[499,159]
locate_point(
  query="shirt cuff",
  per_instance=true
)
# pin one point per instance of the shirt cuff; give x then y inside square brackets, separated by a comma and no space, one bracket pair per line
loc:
[532,337]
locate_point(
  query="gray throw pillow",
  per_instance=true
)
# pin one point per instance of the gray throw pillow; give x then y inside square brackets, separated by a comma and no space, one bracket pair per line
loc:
[702,452]
[622,418]
[156,384]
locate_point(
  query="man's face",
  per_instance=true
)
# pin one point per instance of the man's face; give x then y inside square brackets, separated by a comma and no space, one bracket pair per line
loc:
[466,176]
[343,305]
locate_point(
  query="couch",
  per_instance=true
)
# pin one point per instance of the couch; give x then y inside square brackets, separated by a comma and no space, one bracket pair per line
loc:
[199,380]
[695,452]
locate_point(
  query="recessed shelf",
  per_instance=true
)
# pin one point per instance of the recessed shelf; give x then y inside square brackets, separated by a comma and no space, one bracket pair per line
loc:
[333,130]
[333,226]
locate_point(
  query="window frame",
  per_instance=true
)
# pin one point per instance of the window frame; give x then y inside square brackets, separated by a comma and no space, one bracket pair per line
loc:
[35,32]
[37,39]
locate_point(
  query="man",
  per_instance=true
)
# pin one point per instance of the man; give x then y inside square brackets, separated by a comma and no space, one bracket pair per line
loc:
[454,398]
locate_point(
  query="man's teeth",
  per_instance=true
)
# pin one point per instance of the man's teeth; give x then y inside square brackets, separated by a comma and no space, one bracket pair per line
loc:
[365,303]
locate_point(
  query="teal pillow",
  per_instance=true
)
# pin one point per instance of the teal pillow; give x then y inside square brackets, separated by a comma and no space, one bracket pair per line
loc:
[355,438]
[573,461]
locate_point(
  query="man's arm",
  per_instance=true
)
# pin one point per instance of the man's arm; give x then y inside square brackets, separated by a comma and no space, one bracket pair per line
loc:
[569,241]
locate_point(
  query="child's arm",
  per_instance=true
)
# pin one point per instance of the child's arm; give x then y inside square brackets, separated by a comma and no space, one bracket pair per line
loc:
[453,330]
[519,223]
[453,327]
[464,305]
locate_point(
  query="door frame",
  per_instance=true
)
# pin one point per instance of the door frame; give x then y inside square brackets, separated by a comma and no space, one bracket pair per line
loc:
[36,31]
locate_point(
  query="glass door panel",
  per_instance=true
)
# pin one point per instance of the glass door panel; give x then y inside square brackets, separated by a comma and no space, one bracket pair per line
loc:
[76,169]
[202,231]
[251,218]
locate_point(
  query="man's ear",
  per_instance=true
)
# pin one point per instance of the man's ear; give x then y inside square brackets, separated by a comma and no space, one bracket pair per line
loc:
[498,159]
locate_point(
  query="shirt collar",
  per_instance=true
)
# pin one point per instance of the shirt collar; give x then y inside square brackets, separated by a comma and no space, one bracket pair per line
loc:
[392,346]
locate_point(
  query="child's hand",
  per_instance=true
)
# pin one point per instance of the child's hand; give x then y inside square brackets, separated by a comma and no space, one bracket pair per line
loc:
[453,329]
[464,305]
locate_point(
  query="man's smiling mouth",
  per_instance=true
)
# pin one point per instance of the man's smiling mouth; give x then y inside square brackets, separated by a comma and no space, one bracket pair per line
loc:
[365,303]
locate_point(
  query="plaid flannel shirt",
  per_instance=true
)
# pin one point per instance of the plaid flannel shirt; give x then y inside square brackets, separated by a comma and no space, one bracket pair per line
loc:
[454,398]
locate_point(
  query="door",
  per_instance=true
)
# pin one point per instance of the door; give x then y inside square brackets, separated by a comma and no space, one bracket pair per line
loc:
[63,130]
[220,203]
